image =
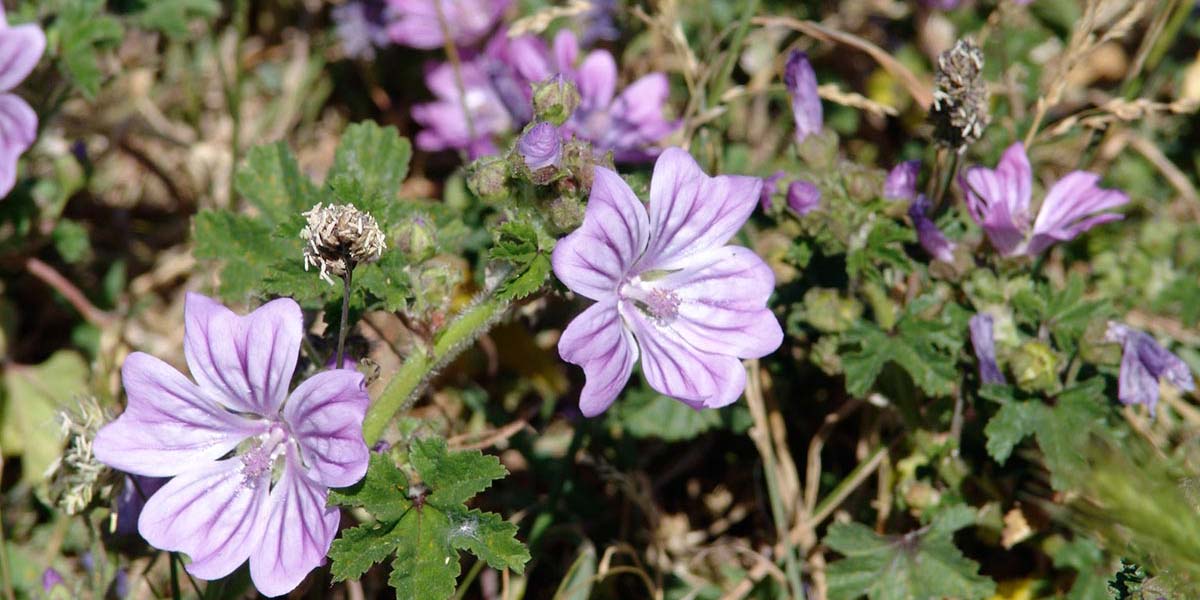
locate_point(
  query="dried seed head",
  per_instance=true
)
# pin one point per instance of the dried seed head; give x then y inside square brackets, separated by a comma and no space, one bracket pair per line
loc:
[960,96]
[339,234]
[76,478]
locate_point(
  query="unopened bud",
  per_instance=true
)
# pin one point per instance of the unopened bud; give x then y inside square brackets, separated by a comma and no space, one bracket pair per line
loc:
[803,197]
[826,310]
[555,99]
[338,237]
[1036,367]
[415,239]
[566,214]
[488,178]
[818,150]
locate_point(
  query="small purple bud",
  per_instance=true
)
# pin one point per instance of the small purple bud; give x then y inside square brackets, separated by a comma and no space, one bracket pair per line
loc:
[984,341]
[541,146]
[51,579]
[801,82]
[901,183]
[770,183]
[931,238]
[803,197]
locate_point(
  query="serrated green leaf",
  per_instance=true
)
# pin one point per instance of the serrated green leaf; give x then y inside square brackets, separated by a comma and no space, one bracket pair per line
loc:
[271,181]
[376,157]
[359,548]
[243,245]
[516,242]
[918,348]
[454,477]
[921,564]
[490,538]
[383,491]
[385,281]
[82,28]
[32,396]
[1011,424]
[528,280]
[71,241]
[883,248]
[172,16]
[425,566]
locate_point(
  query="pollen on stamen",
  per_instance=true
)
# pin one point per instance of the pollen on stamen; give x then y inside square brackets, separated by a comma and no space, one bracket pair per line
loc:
[662,304]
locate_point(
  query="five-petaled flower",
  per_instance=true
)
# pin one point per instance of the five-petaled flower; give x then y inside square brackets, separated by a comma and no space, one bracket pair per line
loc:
[21,48]
[1143,363]
[250,464]
[667,287]
[999,199]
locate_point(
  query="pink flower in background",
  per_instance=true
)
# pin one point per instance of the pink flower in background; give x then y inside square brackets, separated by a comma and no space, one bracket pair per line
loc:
[266,502]
[668,289]
[983,340]
[21,48]
[801,82]
[1143,363]
[901,182]
[416,24]
[999,200]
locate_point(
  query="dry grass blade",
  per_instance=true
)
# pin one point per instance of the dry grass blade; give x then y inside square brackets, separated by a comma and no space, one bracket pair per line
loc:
[539,21]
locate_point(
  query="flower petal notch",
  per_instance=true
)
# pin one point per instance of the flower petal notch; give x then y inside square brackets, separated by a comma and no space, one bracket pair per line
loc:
[1144,363]
[250,464]
[999,201]
[669,291]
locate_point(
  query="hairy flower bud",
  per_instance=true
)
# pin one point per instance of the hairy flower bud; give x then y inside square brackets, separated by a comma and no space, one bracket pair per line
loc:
[555,99]
[566,213]
[960,96]
[803,197]
[819,149]
[488,178]
[1036,367]
[338,237]
[541,146]
[415,239]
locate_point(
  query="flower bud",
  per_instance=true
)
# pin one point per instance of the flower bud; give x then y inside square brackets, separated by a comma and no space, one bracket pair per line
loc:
[578,158]
[338,237]
[828,312]
[803,197]
[901,182]
[488,178]
[766,199]
[801,84]
[415,239]
[566,214]
[555,99]
[819,149]
[541,146]
[1036,367]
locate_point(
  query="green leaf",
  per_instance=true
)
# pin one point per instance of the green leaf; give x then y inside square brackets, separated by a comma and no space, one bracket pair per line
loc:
[644,413]
[425,566]
[527,281]
[921,564]
[28,410]
[925,349]
[1093,571]
[377,157]
[516,242]
[271,181]
[383,491]
[172,16]
[358,549]
[82,29]
[243,245]
[385,281]
[578,582]
[883,248]
[1068,313]
[490,538]
[1009,426]
[455,477]
[71,241]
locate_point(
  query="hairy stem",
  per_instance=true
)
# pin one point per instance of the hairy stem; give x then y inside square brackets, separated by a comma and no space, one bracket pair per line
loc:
[343,329]
[421,363]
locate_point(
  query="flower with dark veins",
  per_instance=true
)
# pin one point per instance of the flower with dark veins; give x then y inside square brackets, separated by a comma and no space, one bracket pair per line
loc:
[668,289]
[1144,362]
[21,48]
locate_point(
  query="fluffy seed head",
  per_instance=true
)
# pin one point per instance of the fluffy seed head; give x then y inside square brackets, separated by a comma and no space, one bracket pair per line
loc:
[960,96]
[77,477]
[338,237]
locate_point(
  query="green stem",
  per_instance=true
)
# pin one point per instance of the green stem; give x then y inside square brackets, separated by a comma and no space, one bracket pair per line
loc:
[402,389]
[4,569]
[722,80]
[175,593]
[339,361]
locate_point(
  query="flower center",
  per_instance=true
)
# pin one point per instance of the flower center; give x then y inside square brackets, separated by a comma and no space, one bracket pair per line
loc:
[661,305]
[261,457]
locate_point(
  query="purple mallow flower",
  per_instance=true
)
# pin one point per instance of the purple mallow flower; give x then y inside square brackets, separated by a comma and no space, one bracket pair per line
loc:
[803,197]
[361,27]
[21,48]
[984,341]
[667,287]
[630,124]
[541,146]
[51,579]
[1143,363]
[931,238]
[999,199]
[801,83]
[416,22]
[265,502]
[901,182]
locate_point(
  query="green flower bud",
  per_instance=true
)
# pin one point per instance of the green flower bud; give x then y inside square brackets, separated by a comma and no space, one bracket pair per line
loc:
[827,311]
[819,150]
[488,178]
[1036,367]
[566,214]
[415,238]
[555,99]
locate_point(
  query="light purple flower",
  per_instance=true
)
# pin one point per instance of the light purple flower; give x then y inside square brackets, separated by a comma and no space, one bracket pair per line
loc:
[803,197]
[22,47]
[51,579]
[667,287]
[362,27]
[416,23]
[901,182]
[999,200]
[630,124]
[931,238]
[266,503]
[541,146]
[801,82]
[1143,363]
[984,341]
[769,184]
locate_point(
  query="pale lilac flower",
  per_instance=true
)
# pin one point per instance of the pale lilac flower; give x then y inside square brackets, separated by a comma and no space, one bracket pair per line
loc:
[266,502]
[999,200]
[541,146]
[630,124]
[21,48]
[984,341]
[801,82]
[931,238]
[1143,363]
[361,27]
[901,182]
[51,579]
[598,23]
[416,23]
[769,184]
[667,287]
[803,197]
